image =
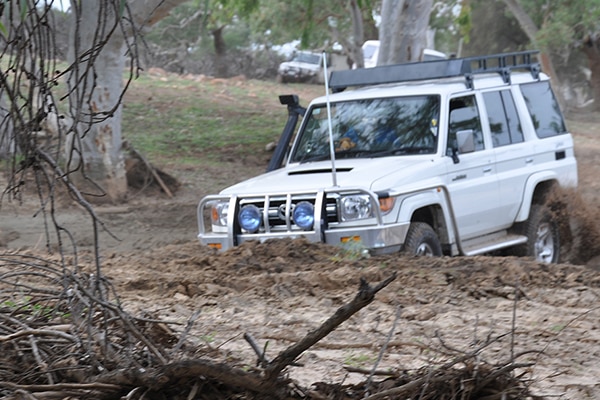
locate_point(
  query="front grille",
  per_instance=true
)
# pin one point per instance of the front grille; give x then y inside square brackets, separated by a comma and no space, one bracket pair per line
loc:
[277,211]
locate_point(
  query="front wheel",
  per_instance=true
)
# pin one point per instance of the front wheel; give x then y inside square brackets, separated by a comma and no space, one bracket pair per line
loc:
[421,240]
[543,240]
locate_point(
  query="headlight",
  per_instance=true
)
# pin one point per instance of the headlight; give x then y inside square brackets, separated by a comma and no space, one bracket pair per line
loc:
[218,213]
[304,215]
[356,207]
[250,218]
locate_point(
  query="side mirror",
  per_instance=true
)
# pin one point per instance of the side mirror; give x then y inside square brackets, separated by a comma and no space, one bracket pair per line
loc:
[465,141]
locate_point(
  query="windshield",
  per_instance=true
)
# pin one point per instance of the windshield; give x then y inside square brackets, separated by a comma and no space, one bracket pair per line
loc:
[369,51]
[308,58]
[371,128]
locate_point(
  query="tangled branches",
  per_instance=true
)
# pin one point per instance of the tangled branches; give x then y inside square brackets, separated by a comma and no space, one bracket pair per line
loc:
[61,328]
[65,333]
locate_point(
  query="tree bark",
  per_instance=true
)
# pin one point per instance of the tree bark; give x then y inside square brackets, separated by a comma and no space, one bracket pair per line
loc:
[221,69]
[96,151]
[591,48]
[403,30]
[7,141]
[358,34]
[94,155]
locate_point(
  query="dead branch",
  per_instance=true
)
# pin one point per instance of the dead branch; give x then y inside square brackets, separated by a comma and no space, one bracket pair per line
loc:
[64,340]
[63,386]
[37,332]
[166,375]
[263,361]
[365,296]
[149,167]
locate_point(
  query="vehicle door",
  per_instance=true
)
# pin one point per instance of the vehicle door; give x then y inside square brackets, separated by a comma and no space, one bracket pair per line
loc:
[470,170]
[512,153]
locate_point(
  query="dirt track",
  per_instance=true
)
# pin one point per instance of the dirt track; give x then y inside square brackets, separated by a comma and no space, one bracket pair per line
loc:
[279,291]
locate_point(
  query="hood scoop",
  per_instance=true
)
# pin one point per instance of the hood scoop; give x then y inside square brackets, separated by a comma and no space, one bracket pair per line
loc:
[318,171]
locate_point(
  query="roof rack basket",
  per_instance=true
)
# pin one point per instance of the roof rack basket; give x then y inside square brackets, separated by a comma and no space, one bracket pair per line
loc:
[501,63]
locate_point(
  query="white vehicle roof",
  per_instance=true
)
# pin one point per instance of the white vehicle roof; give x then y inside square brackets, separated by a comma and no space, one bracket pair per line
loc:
[444,87]
[443,77]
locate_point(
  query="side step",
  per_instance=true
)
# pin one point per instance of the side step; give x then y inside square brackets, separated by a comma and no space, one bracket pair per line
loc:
[489,243]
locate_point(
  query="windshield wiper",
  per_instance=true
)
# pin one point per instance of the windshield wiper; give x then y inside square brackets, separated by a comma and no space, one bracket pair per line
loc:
[314,157]
[403,150]
[338,155]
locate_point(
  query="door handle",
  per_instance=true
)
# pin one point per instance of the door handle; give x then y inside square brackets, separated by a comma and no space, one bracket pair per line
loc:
[487,169]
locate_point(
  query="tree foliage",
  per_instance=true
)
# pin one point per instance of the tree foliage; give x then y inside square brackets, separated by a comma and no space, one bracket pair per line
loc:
[253,29]
[563,29]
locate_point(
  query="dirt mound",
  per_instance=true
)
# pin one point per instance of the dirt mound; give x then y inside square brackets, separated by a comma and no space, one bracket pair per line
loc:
[280,290]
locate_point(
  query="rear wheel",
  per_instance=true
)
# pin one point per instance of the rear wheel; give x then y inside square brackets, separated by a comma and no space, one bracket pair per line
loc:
[421,240]
[543,240]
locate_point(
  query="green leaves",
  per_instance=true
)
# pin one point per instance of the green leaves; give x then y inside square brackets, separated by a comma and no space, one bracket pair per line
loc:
[563,23]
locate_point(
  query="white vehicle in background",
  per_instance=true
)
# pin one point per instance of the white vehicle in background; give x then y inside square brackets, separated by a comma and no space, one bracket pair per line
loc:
[447,157]
[307,66]
[304,66]
[370,50]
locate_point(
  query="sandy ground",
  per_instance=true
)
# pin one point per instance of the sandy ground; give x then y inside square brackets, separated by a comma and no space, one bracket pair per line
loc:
[279,291]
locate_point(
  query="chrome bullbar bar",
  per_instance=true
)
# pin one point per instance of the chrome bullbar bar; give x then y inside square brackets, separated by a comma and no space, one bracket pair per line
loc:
[277,220]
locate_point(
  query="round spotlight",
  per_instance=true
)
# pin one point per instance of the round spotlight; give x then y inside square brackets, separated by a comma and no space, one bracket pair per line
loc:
[250,218]
[304,215]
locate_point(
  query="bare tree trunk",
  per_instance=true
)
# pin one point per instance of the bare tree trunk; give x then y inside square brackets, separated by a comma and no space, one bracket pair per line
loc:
[403,30]
[221,69]
[7,141]
[95,158]
[591,48]
[96,151]
[358,34]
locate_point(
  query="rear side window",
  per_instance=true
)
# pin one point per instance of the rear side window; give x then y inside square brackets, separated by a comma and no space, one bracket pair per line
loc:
[544,109]
[503,118]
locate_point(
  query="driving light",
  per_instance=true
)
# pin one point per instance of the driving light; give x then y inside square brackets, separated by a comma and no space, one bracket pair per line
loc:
[250,218]
[356,207]
[304,215]
[218,213]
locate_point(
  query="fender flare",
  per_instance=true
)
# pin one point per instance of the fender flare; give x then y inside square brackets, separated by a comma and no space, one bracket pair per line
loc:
[432,197]
[530,185]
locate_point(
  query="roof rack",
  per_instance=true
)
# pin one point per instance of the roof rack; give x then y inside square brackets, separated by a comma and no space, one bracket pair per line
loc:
[502,63]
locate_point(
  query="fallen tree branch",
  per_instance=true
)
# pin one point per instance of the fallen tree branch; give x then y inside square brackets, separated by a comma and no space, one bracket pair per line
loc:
[441,376]
[365,296]
[150,168]
[37,332]
[166,375]
[62,386]
[270,384]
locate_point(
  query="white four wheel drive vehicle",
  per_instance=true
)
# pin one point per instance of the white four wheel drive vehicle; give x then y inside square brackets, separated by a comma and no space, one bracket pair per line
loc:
[448,157]
[304,66]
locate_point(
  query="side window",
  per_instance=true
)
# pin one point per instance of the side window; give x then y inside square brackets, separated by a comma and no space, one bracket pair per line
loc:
[464,116]
[503,118]
[543,109]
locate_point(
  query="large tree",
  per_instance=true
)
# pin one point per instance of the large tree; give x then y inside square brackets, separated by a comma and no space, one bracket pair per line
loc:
[96,87]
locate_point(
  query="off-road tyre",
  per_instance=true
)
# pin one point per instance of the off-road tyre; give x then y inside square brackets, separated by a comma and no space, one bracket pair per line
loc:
[421,240]
[543,237]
